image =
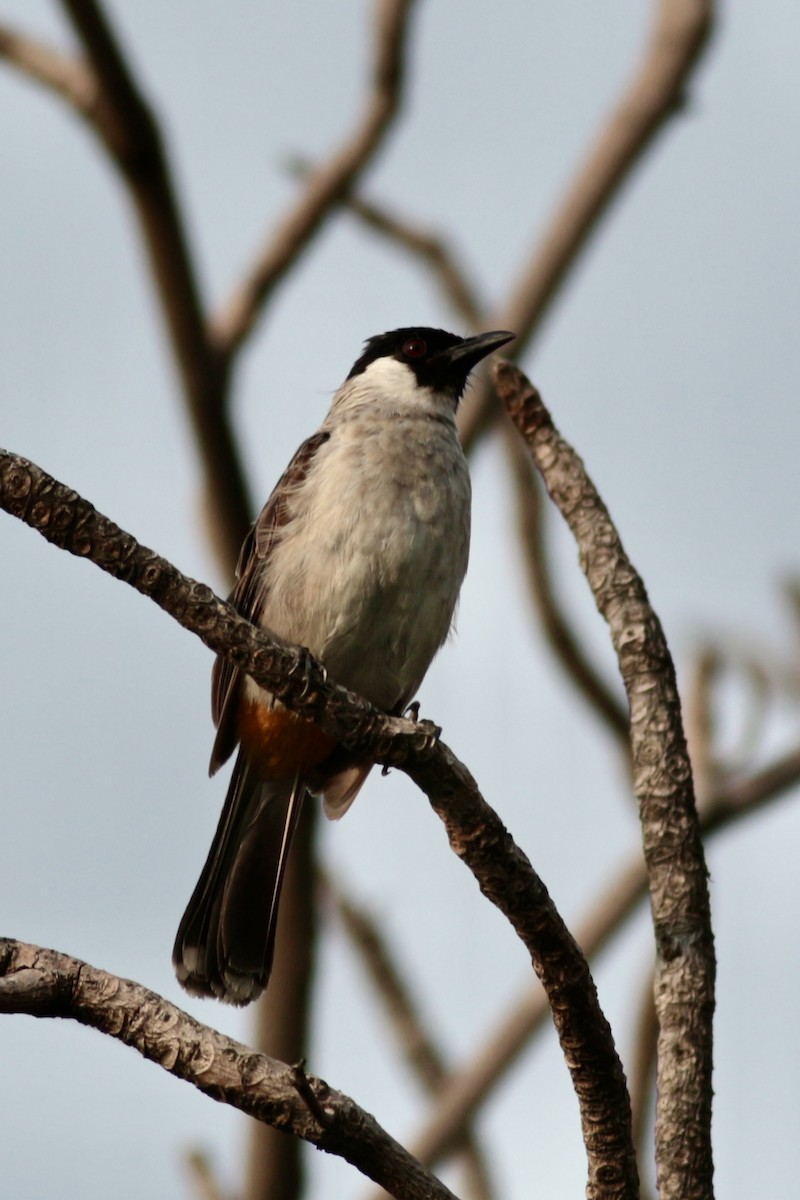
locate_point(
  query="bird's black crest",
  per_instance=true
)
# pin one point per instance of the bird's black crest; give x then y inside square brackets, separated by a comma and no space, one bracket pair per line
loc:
[391,345]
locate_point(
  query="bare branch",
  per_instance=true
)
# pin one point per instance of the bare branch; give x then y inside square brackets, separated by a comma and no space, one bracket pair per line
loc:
[431,248]
[680,32]
[643,1072]
[677,873]
[739,797]
[406,1021]
[327,184]
[205,1184]
[105,94]
[474,830]
[469,1088]
[700,722]
[282,1018]
[45,983]
[561,636]
[68,78]
[389,984]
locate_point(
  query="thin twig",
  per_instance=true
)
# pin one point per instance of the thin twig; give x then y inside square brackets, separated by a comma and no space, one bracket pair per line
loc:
[406,1022]
[205,1184]
[662,776]
[642,1073]
[700,721]
[328,183]
[45,983]
[69,78]
[432,249]
[474,830]
[389,984]
[470,1088]
[657,92]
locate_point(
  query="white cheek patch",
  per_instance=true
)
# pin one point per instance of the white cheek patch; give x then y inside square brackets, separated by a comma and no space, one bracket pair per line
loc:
[390,378]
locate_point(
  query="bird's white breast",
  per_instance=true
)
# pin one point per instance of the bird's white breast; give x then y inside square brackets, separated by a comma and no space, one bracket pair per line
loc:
[367,571]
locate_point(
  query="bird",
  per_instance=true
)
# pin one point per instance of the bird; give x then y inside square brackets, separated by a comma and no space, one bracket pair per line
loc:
[358,555]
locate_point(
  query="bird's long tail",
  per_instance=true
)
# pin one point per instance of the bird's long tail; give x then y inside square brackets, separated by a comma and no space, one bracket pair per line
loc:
[226,938]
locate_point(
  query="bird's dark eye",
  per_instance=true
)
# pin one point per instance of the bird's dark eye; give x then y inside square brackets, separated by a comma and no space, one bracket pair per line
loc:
[415,347]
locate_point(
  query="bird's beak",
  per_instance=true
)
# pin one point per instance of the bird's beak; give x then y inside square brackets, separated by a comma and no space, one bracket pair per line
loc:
[469,353]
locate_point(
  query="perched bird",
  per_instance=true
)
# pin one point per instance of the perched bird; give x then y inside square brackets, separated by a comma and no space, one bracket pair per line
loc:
[359,555]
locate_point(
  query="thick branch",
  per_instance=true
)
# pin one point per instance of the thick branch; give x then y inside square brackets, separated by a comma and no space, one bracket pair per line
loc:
[677,874]
[470,1088]
[328,183]
[475,832]
[657,92]
[44,983]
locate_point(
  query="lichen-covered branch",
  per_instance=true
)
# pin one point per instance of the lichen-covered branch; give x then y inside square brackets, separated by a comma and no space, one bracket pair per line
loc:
[45,983]
[677,873]
[468,1089]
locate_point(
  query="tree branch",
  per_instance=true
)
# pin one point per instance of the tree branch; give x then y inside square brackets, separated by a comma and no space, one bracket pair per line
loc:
[45,983]
[327,184]
[122,118]
[680,33]
[71,80]
[430,248]
[468,1089]
[644,1058]
[561,636]
[406,1021]
[677,873]
[474,830]
[103,92]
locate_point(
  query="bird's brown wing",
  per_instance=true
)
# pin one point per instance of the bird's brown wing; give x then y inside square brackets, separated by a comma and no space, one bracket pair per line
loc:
[250,593]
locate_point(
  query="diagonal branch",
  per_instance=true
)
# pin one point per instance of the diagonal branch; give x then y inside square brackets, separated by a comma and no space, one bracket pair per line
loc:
[45,983]
[104,93]
[677,873]
[69,78]
[680,32]
[469,1089]
[429,247]
[327,184]
[128,128]
[474,830]
[406,1021]
[560,634]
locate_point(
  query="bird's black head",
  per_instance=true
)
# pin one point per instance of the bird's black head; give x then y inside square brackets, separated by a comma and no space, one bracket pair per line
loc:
[438,359]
